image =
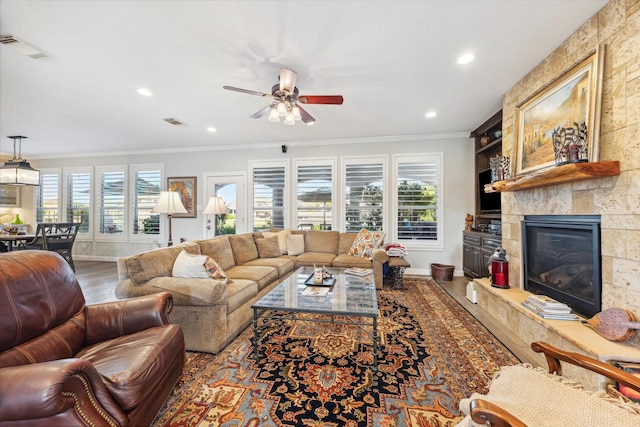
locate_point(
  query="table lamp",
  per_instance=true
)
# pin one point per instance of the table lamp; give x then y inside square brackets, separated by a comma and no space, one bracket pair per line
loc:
[169,203]
[216,207]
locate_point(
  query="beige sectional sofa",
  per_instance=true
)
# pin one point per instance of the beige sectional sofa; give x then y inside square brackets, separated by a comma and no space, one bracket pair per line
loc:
[212,312]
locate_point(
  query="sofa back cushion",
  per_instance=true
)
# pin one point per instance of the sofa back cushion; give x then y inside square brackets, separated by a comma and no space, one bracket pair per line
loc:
[156,263]
[244,248]
[218,248]
[321,241]
[42,309]
[346,240]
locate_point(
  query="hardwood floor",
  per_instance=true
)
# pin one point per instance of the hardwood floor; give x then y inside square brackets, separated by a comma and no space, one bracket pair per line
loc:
[98,281]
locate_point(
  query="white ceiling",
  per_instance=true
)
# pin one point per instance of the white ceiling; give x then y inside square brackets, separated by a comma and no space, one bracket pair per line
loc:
[391,60]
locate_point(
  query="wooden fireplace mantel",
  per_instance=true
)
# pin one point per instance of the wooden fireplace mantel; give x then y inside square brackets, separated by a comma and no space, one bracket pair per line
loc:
[558,175]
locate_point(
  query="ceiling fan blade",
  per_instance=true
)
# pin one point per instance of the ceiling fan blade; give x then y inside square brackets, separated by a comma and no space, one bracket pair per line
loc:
[321,99]
[306,117]
[287,80]
[250,92]
[262,112]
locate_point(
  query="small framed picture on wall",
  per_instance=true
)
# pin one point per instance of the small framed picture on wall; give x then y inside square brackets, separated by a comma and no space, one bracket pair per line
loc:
[9,195]
[187,188]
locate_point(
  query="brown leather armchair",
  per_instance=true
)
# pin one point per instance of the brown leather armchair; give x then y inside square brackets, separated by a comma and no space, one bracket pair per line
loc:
[66,363]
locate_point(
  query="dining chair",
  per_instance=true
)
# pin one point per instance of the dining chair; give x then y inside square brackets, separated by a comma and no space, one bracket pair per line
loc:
[36,243]
[60,239]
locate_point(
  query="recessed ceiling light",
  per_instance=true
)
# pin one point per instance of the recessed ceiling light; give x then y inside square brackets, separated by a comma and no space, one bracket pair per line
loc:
[466,58]
[211,129]
[145,92]
[430,114]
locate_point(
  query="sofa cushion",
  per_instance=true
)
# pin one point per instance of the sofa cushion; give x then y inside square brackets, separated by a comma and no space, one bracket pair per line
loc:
[240,292]
[309,259]
[262,275]
[346,240]
[282,238]
[283,264]
[243,247]
[218,248]
[347,261]
[365,242]
[268,247]
[156,263]
[129,364]
[321,241]
[188,291]
[295,244]
[187,265]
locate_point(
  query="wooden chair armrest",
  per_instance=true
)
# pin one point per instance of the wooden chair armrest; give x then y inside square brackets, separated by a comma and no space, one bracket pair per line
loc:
[555,355]
[483,412]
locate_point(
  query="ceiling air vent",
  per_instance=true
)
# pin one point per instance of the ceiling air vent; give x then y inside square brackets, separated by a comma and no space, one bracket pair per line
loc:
[173,121]
[22,46]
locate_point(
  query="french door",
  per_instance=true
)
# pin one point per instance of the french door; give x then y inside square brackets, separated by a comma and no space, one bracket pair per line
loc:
[231,187]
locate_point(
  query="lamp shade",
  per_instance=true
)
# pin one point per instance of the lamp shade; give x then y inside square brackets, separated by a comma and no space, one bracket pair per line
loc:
[19,173]
[169,203]
[215,206]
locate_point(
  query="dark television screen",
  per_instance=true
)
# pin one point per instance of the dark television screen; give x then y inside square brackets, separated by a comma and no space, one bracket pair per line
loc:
[489,202]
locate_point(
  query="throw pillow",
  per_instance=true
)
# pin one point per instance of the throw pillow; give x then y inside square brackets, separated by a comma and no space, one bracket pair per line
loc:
[365,243]
[268,247]
[282,238]
[190,266]
[295,244]
[214,271]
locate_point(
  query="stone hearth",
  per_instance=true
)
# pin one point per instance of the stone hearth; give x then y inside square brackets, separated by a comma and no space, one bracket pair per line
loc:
[504,305]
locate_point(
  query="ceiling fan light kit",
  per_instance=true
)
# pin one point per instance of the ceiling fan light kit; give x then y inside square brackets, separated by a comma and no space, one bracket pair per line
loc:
[287,100]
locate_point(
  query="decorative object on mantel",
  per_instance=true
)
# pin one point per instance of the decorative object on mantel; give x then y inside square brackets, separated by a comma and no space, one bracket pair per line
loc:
[500,168]
[18,171]
[559,175]
[573,97]
[614,324]
[570,144]
[485,140]
[498,266]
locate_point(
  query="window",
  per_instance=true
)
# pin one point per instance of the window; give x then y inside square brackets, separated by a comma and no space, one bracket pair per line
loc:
[77,196]
[314,192]
[146,189]
[268,186]
[111,198]
[364,192]
[418,182]
[48,197]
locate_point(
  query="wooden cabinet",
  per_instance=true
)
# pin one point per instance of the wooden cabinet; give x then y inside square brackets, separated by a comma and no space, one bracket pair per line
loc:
[477,247]
[487,144]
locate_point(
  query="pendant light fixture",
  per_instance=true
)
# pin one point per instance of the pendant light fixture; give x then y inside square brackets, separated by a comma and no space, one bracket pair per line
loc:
[18,171]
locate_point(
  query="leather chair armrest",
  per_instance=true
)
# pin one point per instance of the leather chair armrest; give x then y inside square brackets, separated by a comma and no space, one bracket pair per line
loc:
[114,319]
[71,390]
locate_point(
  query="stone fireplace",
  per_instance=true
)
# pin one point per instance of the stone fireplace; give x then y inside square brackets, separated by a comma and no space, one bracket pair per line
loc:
[561,259]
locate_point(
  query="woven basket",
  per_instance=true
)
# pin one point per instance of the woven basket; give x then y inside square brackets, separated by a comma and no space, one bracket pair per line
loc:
[441,272]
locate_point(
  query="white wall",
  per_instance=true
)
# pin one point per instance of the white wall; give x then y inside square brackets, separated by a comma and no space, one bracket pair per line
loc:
[457,171]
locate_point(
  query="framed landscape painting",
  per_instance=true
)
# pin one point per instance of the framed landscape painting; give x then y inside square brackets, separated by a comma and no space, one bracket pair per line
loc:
[9,195]
[186,187]
[571,100]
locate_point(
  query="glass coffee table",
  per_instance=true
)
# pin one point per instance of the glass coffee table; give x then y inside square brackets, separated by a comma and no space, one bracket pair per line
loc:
[350,300]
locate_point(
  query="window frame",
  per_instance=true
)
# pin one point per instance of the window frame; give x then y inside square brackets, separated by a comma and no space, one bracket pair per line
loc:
[133,170]
[431,158]
[363,160]
[37,195]
[265,164]
[66,172]
[111,237]
[319,162]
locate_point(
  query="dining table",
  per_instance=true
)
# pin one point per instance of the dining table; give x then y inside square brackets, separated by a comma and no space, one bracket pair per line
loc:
[9,240]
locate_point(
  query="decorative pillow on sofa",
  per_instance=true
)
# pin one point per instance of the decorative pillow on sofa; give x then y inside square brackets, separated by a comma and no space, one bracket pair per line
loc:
[197,267]
[282,238]
[365,242]
[268,247]
[295,244]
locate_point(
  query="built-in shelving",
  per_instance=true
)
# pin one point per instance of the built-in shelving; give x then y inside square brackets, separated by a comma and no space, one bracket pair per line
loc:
[558,175]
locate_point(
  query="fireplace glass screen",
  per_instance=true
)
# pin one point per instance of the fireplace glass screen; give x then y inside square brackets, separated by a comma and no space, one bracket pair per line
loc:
[562,260]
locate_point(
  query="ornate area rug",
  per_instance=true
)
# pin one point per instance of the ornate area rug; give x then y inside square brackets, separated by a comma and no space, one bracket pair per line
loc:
[432,354]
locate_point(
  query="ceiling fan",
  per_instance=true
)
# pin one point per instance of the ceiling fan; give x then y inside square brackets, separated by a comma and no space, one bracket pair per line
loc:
[287,100]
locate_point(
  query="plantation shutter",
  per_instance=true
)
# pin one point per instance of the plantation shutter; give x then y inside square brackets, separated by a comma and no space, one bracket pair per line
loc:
[314,197]
[78,196]
[147,191]
[111,205]
[364,192]
[47,197]
[268,197]
[418,199]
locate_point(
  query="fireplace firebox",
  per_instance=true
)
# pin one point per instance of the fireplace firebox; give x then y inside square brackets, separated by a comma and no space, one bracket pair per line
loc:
[561,257]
